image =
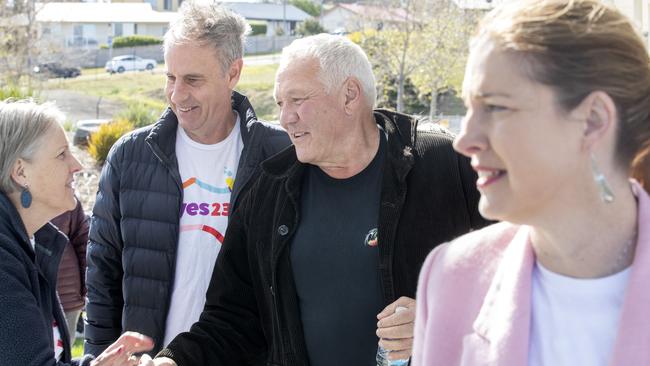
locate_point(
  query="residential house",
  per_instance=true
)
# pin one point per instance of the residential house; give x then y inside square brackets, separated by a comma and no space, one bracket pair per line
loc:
[344,18]
[91,24]
[277,16]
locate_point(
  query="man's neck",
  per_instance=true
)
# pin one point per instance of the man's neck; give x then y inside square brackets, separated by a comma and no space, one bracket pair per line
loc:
[217,134]
[357,152]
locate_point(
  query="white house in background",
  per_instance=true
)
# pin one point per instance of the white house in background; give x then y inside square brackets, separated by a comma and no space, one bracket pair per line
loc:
[284,16]
[92,24]
[355,17]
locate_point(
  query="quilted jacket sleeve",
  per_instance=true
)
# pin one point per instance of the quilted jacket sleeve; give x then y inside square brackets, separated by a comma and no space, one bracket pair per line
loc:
[104,274]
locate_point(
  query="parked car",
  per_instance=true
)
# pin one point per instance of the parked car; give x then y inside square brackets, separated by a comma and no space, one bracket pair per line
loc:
[128,63]
[55,69]
[85,128]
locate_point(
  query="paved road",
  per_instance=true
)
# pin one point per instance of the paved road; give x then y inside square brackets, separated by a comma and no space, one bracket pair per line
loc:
[78,106]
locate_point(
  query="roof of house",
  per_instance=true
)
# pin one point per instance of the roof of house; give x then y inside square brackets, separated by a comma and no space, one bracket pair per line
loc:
[143,12]
[375,12]
[267,11]
[101,13]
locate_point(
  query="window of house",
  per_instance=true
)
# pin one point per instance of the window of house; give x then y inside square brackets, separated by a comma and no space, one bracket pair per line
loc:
[119,29]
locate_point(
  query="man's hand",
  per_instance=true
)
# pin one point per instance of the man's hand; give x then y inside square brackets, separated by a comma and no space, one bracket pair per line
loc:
[395,328]
[145,360]
[121,352]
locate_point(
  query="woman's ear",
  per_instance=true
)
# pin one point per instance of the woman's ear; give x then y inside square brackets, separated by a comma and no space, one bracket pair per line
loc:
[18,174]
[600,118]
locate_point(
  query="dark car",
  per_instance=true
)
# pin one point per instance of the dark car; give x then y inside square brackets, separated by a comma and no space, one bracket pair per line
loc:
[55,69]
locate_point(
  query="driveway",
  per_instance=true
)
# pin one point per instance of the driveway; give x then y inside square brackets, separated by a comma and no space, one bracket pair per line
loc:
[78,105]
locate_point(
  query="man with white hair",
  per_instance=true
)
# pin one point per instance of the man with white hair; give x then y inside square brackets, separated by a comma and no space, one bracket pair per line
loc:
[167,190]
[326,246]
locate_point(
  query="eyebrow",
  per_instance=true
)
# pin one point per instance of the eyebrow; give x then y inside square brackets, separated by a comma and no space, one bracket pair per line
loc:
[488,95]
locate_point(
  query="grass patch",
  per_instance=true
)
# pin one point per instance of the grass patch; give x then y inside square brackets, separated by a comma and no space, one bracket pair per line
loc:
[256,82]
[124,87]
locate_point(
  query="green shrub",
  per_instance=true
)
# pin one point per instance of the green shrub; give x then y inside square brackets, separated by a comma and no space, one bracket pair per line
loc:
[136,40]
[68,125]
[309,27]
[307,6]
[101,141]
[140,114]
[258,28]
[16,92]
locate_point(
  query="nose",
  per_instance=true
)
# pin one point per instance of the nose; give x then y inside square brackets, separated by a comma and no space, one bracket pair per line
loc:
[177,93]
[471,139]
[288,115]
[75,165]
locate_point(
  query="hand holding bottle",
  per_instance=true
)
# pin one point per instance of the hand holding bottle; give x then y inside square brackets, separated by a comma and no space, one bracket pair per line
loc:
[395,330]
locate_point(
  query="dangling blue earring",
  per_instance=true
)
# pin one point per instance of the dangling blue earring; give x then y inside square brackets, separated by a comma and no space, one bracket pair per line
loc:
[25,197]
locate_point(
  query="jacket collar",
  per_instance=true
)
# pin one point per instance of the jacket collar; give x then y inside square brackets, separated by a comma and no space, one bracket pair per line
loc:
[501,330]
[503,324]
[10,222]
[633,337]
[163,132]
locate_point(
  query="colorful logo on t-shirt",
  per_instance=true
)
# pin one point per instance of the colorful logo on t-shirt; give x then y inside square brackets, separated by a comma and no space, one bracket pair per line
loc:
[371,238]
[207,208]
[230,181]
[208,229]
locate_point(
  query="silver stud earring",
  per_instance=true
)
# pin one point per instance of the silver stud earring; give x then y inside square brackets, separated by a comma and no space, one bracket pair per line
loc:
[606,194]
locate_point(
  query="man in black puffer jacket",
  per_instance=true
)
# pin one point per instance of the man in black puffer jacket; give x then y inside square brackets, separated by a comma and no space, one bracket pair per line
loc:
[166,190]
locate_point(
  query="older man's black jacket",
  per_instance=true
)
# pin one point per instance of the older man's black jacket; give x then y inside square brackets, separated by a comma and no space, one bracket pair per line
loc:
[252,314]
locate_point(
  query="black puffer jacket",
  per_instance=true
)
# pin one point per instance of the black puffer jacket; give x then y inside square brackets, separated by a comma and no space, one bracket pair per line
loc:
[28,300]
[428,197]
[135,225]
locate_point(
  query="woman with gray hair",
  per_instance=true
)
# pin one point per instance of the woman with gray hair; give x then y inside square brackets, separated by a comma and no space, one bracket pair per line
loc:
[36,184]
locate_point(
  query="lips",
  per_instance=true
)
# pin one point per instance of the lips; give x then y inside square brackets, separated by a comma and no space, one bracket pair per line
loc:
[487,176]
[185,109]
[297,135]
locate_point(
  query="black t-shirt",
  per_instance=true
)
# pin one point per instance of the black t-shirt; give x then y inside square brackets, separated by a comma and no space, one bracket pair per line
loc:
[334,256]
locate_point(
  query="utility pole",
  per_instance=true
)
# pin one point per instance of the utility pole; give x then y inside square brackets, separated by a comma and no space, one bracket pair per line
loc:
[284,17]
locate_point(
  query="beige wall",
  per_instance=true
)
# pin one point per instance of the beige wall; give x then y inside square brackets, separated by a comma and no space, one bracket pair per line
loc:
[63,33]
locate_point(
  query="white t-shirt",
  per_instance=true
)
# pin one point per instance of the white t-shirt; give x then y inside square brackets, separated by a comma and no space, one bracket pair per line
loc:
[58,342]
[574,321]
[208,174]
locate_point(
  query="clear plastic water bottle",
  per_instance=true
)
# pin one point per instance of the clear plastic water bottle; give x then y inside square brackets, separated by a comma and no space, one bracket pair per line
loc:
[382,354]
[382,359]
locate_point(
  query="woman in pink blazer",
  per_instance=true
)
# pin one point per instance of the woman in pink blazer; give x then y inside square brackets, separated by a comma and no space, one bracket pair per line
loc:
[558,99]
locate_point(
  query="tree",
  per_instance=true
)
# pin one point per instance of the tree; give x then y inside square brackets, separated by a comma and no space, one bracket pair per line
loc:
[421,41]
[309,27]
[17,36]
[447,36]
[307,6]
[392,46]
[20,41]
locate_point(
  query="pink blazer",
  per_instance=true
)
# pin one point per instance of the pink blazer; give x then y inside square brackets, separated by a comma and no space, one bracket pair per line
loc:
[473,300]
